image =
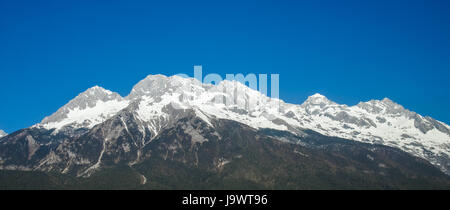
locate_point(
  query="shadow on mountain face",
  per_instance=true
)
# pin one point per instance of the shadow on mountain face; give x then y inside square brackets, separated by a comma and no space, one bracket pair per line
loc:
[235,156]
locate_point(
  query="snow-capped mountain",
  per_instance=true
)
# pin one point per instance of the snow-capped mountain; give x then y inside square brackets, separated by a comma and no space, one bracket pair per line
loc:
[89,108]
[155,98]
[2,133]
[379,122]
[101,122]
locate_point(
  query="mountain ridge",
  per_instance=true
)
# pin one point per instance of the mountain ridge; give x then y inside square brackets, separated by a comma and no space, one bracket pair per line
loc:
[158,102]
[401,128]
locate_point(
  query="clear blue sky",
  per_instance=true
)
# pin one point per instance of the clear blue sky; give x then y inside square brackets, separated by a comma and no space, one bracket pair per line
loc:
[350,51]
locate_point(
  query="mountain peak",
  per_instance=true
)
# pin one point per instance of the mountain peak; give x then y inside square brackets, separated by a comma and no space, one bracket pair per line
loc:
[2,133]
[87,99]
[97,91]
[318,99]
[157,85]
[317,95]
[385,105]
[388,101]
[155,77]
[390,104]
[96,87]
[150,85]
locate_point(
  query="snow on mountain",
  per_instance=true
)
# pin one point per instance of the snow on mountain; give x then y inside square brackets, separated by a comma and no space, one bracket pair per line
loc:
[228,100]
[157,100]
[2,133]
[89,108]
[378,122]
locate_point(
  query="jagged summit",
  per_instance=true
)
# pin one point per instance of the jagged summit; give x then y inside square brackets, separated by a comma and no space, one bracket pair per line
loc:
[386,106]
[317,99]
[90,97]
[317,95]
[388,100]
[390,103]
[86,109]
[157,85]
